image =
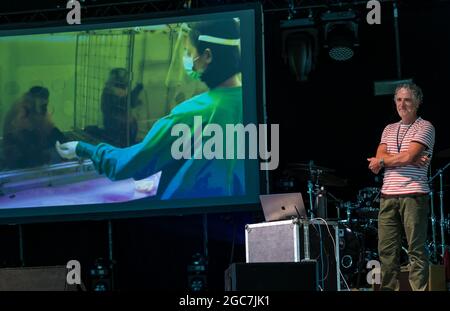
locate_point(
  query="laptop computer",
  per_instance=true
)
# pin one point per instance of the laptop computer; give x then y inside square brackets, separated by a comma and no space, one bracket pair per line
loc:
[283,206]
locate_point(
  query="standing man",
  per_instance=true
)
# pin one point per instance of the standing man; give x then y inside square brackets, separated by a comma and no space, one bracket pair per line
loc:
[404,152]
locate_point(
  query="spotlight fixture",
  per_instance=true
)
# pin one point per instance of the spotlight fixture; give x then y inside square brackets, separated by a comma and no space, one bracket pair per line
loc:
[100,276]
[299,46]
[340,34]
[197,273]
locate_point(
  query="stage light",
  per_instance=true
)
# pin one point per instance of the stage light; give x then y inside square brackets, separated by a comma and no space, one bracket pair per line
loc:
[100,276]
[340,34]
[197,269]
[299,46]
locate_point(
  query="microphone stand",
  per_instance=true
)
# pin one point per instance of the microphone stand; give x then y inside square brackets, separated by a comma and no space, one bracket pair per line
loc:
[433,224]
[310,190]
[337,206]
[440,173]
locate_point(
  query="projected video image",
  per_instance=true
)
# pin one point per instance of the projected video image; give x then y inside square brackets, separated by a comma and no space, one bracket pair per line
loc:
[87,117]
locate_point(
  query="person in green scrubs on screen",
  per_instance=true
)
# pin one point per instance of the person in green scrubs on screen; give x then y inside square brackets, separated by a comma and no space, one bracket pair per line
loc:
[212,55]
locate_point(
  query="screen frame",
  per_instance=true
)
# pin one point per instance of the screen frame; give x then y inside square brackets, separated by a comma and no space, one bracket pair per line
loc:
[137,209]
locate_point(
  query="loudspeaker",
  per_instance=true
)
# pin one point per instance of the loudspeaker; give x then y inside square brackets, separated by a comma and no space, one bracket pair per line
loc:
[35,279]
[277,276]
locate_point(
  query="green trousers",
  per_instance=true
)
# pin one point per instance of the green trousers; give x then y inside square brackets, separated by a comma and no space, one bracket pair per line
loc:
[408,213]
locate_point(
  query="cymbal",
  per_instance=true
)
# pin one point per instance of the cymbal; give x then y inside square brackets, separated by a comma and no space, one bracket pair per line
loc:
[324,178]
[443,153]
[306,166]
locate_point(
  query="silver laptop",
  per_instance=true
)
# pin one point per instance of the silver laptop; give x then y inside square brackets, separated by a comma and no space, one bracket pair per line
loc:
[283,206]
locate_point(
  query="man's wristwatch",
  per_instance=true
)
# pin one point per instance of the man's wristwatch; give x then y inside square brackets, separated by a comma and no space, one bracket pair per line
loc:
[382,163]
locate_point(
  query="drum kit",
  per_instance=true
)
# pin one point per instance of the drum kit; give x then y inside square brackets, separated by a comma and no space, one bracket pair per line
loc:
[358,219]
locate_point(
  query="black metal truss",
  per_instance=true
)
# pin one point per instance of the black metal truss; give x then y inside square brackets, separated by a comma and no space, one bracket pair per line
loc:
[88,11]
[93,9]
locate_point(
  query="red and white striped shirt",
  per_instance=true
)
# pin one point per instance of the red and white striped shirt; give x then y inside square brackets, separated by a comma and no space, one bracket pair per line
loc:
[409,178]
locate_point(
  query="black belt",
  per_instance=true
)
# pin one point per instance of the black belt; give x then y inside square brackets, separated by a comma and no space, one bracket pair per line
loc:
[398,196]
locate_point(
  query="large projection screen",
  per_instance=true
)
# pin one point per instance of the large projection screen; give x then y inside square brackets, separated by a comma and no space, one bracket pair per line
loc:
[149,102]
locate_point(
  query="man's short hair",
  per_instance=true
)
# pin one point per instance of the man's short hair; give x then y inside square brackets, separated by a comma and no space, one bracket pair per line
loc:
[415,90]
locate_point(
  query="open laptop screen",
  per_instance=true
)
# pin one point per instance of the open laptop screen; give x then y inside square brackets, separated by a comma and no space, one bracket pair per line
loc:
[283,206]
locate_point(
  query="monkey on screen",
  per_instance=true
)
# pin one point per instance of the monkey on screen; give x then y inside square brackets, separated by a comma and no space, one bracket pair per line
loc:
[114,106]
[28,132]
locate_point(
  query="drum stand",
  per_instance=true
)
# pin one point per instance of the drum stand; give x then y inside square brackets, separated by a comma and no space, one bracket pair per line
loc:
[311,205]
[311,191]
[442,224]
[433,252]
[317,201]
[338,205]
[317,194]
